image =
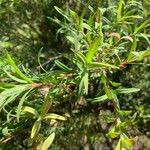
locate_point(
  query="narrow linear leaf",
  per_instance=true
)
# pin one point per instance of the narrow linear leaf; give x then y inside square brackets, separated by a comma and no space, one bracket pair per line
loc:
[9,95]
[145,36]
[82,57]
[119,145]
[142,26]
[35,129]
[124,112]
[14,78]
[98,64]
[116,101]
[115,84]
[130,17]
[54,116]
[86,82]
[99,99]
[7,85]
[12,63]
[24,97]
[133,47]
[62,66]
[127,90]
[119,13]
[63,13]
[93,49]
[47,103]
[47,143]
[30,110]
[81,86]
[113,133]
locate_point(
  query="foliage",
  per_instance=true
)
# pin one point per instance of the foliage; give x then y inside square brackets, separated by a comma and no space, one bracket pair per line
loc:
[55,96]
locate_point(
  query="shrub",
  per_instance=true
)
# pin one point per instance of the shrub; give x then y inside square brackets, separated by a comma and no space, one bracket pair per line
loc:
[104,40]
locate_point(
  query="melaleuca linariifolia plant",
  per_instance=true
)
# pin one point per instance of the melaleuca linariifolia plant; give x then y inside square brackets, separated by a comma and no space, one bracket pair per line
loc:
[102,44]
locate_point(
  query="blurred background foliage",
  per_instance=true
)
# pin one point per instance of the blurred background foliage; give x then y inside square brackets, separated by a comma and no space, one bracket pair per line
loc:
[27,32]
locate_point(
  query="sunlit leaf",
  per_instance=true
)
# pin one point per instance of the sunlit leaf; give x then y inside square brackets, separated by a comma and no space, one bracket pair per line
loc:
[86,82]
[47,143]
[9,95]
[30,110]
[35,129]
[99,99]
[54,116]
[93,49]
[12,63]
[24,97]
[127,90]
[124,112]
[15,78]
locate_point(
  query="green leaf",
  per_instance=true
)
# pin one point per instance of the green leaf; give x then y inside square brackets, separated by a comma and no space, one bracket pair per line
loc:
[99,99]
[127,90]
[86,26]
[124,112]
[7,85]
[9,95]
[81,57]
[71,39]
[83,84]
[107,118]
[14,78]
[128,143]
[47,103]
[30,110]
[116,101]
[129,17]
[107,90]
[5,131]
[98,64]
[24,97]
[119,145]
[6,44]
[62,66]
[119,13]
[36,128]
[63,13]
[115,84]
[86,82]
[47,143]
[113,133]
[138,56]
[93,49]
[54,116]
[145,36]
[12,63]
[142,26]
[133,48]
